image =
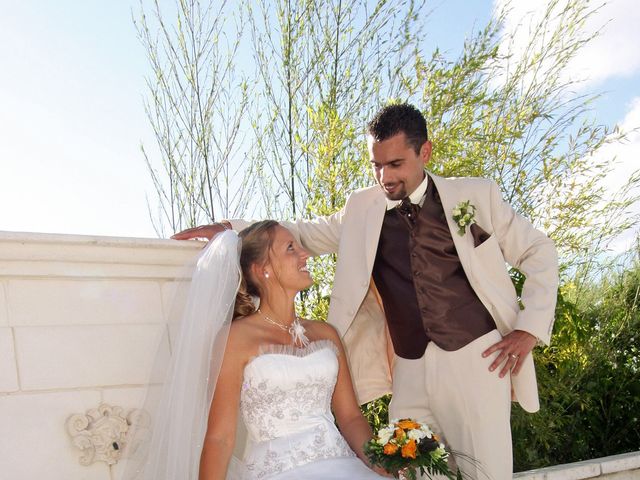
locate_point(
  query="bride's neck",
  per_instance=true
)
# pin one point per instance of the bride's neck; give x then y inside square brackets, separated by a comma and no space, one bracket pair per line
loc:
[281,308]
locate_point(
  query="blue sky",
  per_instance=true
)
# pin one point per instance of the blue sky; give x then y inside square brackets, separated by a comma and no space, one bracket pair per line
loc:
[72,117]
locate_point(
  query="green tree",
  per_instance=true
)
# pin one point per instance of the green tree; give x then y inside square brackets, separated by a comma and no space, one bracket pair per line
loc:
[589,378]
[196,103]
[515,117]
[322,68]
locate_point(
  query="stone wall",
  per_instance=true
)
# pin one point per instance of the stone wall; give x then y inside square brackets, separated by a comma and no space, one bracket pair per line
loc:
[80,321]
[617,467]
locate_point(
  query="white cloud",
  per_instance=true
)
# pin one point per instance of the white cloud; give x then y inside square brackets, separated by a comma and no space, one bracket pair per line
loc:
[613,53]
[627,155]
[628,152]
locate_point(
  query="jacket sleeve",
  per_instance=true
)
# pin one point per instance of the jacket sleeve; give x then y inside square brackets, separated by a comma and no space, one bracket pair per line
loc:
[320,235]
[534,254]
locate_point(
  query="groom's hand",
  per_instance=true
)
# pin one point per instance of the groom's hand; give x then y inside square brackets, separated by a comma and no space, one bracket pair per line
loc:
[513,348]
[203,231]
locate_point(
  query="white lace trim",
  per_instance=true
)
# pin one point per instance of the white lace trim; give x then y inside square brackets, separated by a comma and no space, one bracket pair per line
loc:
[292,350]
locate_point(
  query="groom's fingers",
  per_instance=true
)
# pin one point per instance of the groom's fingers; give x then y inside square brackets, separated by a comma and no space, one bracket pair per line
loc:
[517,365]
[509,362]
[509,365]
[513,347]
[204,231]
[503,359]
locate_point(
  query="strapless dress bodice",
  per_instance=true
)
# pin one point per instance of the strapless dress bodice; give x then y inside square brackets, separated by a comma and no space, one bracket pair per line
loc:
[285,403]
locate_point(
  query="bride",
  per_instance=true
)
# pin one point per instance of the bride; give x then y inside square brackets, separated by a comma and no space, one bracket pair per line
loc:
[284,376]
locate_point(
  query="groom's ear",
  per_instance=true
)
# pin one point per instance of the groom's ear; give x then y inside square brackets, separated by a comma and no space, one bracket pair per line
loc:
[425,152]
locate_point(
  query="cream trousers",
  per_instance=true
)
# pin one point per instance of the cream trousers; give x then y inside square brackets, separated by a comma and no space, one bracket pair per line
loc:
[459,398]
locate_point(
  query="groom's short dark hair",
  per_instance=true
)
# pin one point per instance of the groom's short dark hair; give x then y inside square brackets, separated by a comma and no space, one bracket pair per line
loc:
[396,118]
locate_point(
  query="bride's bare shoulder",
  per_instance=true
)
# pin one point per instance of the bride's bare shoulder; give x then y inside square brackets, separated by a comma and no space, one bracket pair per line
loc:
[320,329]
[243,335]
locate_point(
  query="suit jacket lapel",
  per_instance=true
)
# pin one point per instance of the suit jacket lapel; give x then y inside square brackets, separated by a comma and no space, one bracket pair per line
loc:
[450,197]
[373,224]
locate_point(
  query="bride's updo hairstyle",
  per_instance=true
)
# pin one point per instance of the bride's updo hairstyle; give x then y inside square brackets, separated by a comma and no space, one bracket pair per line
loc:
[256,242]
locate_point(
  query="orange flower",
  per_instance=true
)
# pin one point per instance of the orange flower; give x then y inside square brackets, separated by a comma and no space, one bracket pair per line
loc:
[409,449]
[390,448]
[400,434]
[407,424]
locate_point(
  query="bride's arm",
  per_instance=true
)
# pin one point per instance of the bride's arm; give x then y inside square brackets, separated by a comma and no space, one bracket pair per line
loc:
[353,426]
[220,437]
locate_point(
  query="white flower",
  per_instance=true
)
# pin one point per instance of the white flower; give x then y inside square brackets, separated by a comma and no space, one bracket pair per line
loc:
[427,431]
[416,434]
[385,434]
[463,215]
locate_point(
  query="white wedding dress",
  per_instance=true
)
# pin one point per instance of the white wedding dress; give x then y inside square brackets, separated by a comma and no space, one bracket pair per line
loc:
[285,400]
[285,404]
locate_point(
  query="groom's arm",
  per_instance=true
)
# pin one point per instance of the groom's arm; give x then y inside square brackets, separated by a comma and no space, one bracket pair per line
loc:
[202,231]
[320,235]
[534,254]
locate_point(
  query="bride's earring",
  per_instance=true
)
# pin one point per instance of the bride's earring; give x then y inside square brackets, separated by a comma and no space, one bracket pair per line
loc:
[266,274]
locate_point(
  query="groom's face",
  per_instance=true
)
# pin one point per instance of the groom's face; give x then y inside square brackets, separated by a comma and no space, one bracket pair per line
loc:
[397,167]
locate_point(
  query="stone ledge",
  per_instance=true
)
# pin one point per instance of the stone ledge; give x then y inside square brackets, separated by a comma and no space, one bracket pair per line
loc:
[18,246]
[624,466]
[73,239]
[28,255]
[619,463]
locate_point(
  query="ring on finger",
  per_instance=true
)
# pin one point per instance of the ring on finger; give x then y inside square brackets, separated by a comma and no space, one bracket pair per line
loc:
[514,356]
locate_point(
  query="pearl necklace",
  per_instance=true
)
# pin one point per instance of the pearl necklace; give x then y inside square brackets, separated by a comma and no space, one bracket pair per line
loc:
[296,330]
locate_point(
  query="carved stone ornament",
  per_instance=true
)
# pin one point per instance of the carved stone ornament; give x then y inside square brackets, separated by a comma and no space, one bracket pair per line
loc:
[101,433]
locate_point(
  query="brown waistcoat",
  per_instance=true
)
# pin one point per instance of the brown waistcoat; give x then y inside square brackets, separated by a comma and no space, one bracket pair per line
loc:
[425,293]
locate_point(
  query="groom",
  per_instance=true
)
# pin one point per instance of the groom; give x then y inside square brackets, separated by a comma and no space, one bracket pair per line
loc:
[423,299]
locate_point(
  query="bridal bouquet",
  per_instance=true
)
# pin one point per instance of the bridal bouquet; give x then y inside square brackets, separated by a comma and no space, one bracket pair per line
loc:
[405,446]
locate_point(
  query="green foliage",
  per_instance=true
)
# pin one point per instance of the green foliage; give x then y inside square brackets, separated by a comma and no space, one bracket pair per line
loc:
[377,412]
[589,379]
[322,68]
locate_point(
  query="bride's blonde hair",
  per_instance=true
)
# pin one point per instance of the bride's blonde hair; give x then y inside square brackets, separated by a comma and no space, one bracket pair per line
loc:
[256,242]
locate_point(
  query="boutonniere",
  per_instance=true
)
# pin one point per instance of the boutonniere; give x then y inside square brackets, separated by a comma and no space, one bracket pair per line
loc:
[464,215]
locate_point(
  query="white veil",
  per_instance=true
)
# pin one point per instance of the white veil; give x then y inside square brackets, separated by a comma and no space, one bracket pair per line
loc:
[179,409]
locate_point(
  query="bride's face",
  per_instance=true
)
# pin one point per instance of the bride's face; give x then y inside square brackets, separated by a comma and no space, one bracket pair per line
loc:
[287,263]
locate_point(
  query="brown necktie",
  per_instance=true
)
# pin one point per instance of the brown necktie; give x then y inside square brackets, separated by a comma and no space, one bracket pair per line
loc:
[409,211]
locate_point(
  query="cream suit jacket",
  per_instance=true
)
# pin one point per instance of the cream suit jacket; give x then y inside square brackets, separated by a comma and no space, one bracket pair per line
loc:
[355,311]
